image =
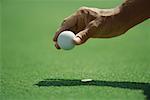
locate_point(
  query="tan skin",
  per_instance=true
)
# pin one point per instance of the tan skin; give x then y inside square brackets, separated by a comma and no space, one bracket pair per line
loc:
[104,23]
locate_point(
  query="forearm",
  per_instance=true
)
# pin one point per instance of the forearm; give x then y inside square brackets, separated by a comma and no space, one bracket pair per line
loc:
[133,12]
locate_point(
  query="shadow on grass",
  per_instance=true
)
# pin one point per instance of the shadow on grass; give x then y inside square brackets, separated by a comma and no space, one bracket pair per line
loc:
[126,85]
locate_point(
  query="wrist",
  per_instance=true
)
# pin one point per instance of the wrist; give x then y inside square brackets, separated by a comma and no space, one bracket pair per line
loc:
[133,12]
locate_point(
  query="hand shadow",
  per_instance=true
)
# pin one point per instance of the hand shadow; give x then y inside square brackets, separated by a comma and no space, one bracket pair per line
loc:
[76,82]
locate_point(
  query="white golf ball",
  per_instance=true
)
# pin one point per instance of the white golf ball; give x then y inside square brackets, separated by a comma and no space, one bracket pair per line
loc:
[65,40]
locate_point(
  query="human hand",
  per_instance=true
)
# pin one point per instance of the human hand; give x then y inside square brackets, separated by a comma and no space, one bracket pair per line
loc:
[92,23]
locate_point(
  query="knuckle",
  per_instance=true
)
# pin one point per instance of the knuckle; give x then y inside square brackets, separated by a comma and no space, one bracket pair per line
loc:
[82,9]
[62,24]
[64,21]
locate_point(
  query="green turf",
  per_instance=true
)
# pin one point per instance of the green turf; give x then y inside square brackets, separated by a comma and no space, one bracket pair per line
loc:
[32,69]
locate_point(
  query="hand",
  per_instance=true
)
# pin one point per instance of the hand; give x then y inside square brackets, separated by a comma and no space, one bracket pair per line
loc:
[92,23]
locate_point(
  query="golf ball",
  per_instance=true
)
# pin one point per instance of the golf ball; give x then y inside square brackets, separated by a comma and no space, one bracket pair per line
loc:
[65,40]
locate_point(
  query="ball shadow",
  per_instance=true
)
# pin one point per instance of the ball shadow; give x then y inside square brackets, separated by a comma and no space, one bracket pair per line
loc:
[145,87]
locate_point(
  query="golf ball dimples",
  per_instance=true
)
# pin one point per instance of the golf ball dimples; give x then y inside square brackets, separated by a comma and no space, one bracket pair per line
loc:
[65,40]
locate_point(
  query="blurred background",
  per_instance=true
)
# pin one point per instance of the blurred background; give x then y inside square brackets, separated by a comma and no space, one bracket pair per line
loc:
[29,56]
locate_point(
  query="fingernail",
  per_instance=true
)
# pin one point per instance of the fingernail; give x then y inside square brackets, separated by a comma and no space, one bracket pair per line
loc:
[77,40]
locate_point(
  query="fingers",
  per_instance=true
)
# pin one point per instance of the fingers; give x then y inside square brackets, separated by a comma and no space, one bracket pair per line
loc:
[80,24]
[87,33]
[62,28]
[57,46]
[67,24]
[81,37]
[56,36]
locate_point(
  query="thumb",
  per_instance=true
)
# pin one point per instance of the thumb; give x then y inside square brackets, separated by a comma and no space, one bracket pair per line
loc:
[81,37]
